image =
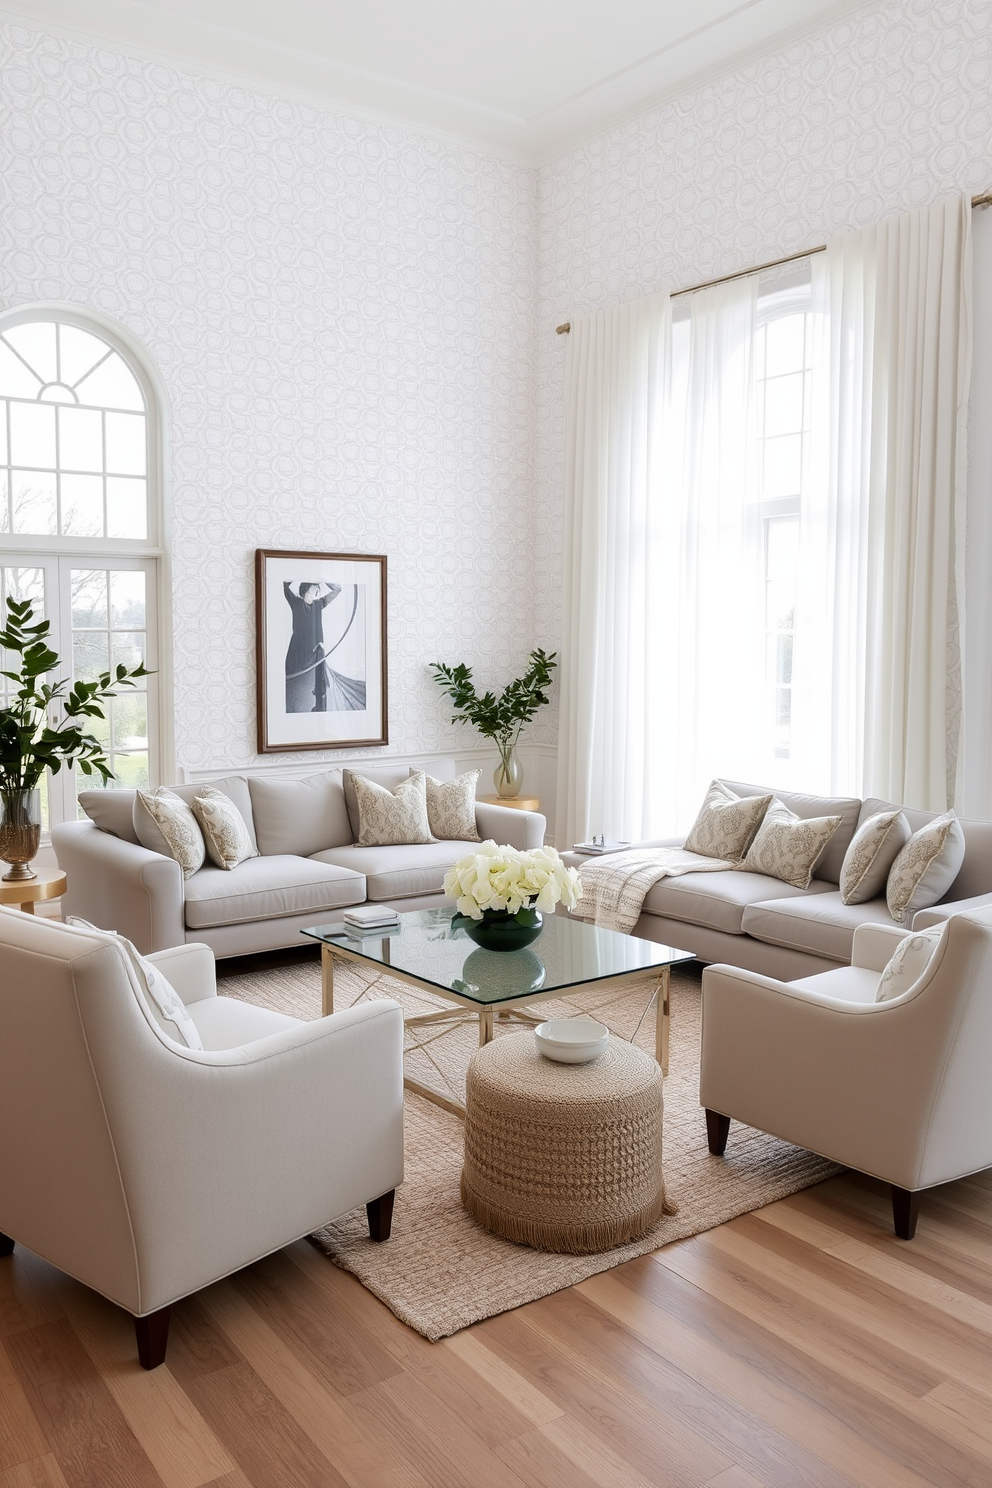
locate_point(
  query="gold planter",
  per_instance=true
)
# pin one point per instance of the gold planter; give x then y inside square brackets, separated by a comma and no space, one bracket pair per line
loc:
[20,832]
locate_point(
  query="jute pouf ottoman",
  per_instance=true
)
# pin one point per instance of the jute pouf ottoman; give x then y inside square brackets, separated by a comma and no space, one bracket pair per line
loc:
[563,1157]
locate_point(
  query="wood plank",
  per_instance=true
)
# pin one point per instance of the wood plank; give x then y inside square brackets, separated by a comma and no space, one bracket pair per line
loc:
[772,1390]
[176,1439]
[196,1345]
[532,1403]
[260,1434]
[21,1438]
[40,1472]
[580,1450]
[316,1408]
[91,1440]
[735,1477]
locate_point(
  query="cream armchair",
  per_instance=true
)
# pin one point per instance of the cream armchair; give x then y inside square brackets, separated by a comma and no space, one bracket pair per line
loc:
[901,1090]
[148,1170]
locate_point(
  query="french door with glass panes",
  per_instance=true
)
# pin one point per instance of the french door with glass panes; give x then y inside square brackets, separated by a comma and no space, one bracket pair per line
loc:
[102,611]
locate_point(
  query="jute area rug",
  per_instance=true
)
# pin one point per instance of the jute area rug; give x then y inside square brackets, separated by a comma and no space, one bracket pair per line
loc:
[441,1271]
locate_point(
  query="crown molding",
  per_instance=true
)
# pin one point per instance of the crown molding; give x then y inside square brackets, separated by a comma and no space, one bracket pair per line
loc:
[203,49]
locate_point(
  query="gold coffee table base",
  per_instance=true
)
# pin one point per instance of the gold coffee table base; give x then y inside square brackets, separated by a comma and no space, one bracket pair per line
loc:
[27,892]
[516,1011]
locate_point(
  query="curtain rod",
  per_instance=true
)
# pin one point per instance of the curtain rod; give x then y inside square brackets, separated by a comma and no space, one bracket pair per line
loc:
[985,200]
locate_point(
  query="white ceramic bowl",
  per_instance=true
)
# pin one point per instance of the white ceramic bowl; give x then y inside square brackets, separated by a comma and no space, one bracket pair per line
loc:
[572,1040]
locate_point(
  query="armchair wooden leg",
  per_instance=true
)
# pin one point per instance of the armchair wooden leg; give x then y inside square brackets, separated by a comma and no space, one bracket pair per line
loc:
[717,1132]
[152,1333]
[6,1245]
[380,1213]
[905,1211]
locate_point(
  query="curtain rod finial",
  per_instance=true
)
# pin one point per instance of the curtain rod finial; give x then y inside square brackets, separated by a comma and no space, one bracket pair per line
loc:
[563,329]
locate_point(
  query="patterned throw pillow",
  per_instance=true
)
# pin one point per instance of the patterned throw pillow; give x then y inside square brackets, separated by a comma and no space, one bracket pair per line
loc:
[788,847]
[925,868]
[451,807]
[161,997]
[224,831]
[874,848]
[165,824]
[726,823]
[911,959]
[386,817]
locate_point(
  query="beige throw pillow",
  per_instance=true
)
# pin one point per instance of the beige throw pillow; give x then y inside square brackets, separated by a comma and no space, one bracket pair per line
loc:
[161,998]
[387,818]
[224,830]
[788,847]
[166,825]
[925,868]
[451,807]
[911,959]
[874,848]
[726,823]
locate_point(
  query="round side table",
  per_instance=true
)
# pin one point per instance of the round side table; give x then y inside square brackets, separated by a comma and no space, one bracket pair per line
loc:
[27,892]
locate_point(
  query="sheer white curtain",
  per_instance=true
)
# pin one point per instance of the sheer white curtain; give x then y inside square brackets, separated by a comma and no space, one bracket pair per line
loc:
[758,598]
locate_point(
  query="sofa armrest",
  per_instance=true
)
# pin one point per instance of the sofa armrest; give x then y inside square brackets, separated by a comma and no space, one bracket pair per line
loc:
[191,969]
[938,913]
[121,886]
[875,945]
[510,827]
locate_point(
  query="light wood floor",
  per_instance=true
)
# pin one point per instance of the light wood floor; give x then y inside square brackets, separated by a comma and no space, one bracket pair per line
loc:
[801,1345]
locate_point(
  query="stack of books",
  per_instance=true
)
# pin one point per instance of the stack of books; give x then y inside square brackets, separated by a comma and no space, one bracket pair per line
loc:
[598,845]
[370,917]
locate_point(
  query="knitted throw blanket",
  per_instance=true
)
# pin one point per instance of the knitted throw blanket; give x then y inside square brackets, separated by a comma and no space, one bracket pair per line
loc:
[613,888]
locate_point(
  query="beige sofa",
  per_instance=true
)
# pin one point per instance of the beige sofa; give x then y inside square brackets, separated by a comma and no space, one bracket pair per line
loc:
[764,925]
[308,869]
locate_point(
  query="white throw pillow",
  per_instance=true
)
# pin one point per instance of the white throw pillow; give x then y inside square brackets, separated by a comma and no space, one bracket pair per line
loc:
[165,824]
[451,807]
[387,818]
[726,824]
[912,958]
[925,868]
[874,848]
[787,846]
[224,830]
[161,998]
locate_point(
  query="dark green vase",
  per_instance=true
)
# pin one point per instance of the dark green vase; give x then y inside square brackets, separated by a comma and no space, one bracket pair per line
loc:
[500,931]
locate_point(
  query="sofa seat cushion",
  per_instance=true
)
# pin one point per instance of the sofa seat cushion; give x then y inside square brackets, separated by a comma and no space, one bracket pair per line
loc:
[823,925]
[268,888]
[846,984]
[227,1023]
[402,871]
[718,900]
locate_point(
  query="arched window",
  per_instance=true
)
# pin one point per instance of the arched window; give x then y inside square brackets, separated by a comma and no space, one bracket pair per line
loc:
[81,528]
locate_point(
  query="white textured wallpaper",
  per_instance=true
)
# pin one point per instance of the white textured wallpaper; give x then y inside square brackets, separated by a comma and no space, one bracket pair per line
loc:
[888,110]
[343,314]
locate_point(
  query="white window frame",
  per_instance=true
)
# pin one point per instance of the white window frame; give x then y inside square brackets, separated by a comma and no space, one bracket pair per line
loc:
[150,553]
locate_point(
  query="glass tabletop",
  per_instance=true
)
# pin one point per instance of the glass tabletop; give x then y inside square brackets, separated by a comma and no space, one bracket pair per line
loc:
[567,953]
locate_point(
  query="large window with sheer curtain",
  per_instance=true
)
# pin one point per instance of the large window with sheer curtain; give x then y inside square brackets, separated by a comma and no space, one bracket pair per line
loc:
[80,519]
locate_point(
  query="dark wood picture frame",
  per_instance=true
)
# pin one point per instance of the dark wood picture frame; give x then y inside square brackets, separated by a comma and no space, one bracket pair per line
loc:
[292,655]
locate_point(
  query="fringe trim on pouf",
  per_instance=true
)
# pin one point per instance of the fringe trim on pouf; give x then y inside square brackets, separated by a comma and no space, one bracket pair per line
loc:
[565,1239]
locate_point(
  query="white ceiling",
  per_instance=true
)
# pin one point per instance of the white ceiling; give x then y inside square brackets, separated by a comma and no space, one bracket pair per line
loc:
[522,78]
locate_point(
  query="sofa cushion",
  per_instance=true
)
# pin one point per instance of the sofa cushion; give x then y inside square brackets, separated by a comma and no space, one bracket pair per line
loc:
[925,868]
[451,807]
[909,962]
[400,872]
[726,824]
[718,900]
[225,831]
[975,874]
[874,848]
[788,846]
[228,1023]
[112,811]
[300,816]
[391,818]
[848,808]
[165,824]
[268,888]
[389,776]
[823,924]
[235,786]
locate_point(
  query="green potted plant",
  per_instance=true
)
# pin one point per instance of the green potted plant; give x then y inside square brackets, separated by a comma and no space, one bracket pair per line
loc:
[32,741]
[499,718]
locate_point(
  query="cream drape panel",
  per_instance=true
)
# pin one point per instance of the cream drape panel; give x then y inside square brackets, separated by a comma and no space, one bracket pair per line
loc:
[616,375]
[898,298]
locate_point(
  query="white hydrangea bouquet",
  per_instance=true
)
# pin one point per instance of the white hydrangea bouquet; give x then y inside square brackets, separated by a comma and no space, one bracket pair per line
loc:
[500,892]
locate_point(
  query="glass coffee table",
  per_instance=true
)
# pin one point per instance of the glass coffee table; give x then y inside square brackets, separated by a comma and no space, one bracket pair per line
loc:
[429,952]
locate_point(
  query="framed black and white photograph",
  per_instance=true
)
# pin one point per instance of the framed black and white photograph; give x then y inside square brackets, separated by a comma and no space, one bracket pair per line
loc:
[321,648]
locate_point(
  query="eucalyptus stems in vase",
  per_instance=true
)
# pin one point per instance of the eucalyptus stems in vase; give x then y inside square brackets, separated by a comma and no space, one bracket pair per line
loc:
[39,730]
[499,718]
